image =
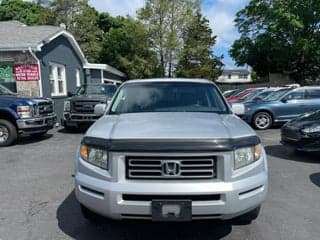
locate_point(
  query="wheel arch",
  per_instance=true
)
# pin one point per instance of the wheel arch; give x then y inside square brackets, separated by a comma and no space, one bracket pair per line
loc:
[6,115]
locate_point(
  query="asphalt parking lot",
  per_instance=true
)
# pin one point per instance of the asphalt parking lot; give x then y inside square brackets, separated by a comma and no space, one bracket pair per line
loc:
[37,199]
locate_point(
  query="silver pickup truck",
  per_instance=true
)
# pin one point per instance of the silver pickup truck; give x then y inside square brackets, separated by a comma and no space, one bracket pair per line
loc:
[170,150]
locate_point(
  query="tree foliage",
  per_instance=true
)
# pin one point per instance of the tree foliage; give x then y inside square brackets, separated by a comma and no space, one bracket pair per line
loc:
[166,21]
[197,59]
[82,21]
[280,36]
[127,47]
[26,12]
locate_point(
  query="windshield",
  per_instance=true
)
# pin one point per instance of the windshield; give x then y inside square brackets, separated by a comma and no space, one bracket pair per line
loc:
[5,91]
[107,90]
[313,116]
[168,97]
[276,95]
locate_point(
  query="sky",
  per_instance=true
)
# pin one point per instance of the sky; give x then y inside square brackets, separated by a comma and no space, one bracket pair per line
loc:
[221,14]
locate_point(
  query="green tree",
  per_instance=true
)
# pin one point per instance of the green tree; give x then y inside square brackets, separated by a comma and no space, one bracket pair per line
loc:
[26,12]
[197,59]
[166,21]
[280,36]
[82,21]
[127,48]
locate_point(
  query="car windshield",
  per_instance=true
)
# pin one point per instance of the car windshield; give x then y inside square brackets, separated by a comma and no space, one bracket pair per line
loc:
[168,97]
[276,95]
[231,92]
[5,91]
[107,90]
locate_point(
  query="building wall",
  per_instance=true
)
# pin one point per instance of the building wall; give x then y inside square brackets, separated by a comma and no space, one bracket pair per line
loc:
[60,51]
[25,88]
[94,76]
[224,78]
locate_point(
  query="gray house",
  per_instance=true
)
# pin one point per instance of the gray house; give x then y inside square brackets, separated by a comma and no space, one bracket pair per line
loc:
[46,61]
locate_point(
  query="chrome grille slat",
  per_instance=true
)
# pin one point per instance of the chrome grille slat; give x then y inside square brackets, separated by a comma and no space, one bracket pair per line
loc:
[189,167]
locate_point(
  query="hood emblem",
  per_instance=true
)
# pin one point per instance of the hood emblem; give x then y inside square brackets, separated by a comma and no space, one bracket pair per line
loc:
[170,168]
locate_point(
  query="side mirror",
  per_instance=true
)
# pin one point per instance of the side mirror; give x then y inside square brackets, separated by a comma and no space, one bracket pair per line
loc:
[238,108]
[70,94]
[284,100]
[100,109]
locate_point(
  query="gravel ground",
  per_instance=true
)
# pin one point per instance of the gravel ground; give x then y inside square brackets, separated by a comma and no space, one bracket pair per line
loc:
[37,199]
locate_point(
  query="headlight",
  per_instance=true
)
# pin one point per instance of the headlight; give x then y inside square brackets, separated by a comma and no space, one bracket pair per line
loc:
[312,129]
[25,111]
[94,156]
[245,156]
[67,106]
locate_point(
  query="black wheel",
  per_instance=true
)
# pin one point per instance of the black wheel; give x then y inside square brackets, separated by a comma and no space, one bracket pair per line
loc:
[262,121]
[90,215]
[250,216]
[37,135]
[8,133]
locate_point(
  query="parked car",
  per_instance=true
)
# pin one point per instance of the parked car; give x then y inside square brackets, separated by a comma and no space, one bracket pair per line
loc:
[232,92]
[303,133]
[241,94]
[281,106]
[79,109]
[170,150]
[21,115]
[258,95]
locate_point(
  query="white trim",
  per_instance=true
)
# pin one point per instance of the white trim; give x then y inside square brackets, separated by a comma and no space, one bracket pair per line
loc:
[39,66]
[105,67]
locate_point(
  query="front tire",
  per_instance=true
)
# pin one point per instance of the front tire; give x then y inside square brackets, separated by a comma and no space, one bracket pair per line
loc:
[8,133]
[262,121]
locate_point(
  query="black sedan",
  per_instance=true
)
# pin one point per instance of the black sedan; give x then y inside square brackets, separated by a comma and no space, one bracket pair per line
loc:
[303,133]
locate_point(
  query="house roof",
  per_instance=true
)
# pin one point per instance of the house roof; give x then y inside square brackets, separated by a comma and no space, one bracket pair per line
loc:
[236,71]
[16,36]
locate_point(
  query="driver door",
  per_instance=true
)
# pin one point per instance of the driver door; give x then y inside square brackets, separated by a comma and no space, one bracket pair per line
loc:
[291,105]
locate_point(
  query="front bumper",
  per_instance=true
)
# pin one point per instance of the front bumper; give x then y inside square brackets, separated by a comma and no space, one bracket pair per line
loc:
[106,197]
[294,139]
[76,119]
[36,125]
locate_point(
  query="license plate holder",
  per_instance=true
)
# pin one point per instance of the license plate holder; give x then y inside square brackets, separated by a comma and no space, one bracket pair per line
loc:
[171,210]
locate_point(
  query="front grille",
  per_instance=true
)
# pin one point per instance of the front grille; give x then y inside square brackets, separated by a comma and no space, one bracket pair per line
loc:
[171,167]
[45,108]
[84,106]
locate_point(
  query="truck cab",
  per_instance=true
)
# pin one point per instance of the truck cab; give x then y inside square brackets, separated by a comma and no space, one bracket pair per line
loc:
[79,108]
[23,115]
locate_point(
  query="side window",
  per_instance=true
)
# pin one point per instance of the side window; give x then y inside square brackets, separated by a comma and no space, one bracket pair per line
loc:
[313,94]
[78,77]
[58,82]
[296,95]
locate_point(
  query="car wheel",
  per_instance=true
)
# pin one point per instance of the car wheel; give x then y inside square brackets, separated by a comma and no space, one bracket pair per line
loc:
[8,133]
[90,215]
[262,120]
[37,135]
[250,216]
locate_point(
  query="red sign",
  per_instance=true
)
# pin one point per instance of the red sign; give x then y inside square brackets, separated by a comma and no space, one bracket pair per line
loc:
[26,72]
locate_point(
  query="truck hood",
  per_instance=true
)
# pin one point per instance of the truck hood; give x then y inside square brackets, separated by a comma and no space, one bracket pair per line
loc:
[22,100]
[98,98]
[170,126]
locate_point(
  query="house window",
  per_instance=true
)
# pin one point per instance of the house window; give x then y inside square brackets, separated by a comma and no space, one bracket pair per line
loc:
[78,77]
[229,76]
[243,76]
[57,75]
